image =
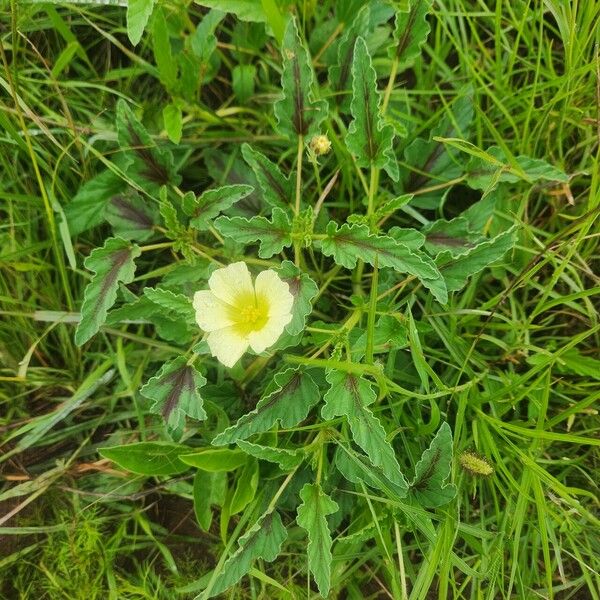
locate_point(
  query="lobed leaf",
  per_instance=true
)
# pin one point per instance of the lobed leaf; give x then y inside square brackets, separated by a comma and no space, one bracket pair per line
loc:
[131,217]
[213,202]
[168,300]
[410,33]
[286,459]
[112,263]
[312,513]
[295,394]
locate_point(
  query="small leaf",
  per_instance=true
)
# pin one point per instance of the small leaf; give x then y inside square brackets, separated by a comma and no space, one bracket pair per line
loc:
[138,13]
[349,396]
[215,460]
[312,513]
[410,33]
[244,10]
[286,459]
[297,112]
[457,270]
[274,235]
[148,458]
[304,289]
[204,41]
[112,263]
[276,189]
[173,120]
[242,82]
[170,301]
[263,541]
[295,394]
[245,488]
[212,202]
[369,138]
[433,469]
[209,489]
[175,392]
[131,216]
[161,47]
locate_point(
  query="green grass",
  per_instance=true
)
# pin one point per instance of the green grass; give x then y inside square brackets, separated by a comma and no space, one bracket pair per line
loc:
[520,349]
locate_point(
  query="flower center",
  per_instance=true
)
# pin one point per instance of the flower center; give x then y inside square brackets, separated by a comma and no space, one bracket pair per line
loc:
[250,314]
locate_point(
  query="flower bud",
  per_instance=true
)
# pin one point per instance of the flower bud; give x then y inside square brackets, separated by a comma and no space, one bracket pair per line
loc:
[320,145]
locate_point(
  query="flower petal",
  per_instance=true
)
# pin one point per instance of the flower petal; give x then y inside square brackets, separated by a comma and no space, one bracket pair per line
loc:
[230,282]
[276,291]
[263,338]
[211,313]
[227,345]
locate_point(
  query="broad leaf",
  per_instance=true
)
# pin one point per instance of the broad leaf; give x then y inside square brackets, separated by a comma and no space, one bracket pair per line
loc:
[350,243]
[209,489]
[245,10]
[428,487]
[286,459]
[369,138]
[304,290]
[276,188]
[453,236]
[169,301]
[350,396]
[245,489]
[295,394]
[213,202]
[173,121]
[112,263]
[273,235]
[203,42]
[410,33]
[297,113]
[263,541]
[215,460]
[175,393]
[411,238]
[131,216]
[312,513]
[243,79]
[138,13]
[161,47]
[494,167]
[148,458]
[457,270]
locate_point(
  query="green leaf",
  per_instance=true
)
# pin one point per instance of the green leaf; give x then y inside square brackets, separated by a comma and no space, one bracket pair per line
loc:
[212,202]
[204,41]
[112,263]
[350,396]
[138,13]
[242,82]
[273,235]
[245,488]
[148,458]
[494,167]
[304,289]
[245,10]
[432,470]
[369,138]
[457,270]
[410,33]
[146,163]
[263,540]
[170,301]
[276,188]
[131,216]
[297,112]
[87,208]
[215,460]
[161,47]
[286,459]
[173,120]
[209,489]
[289,403]
[453,236]
[312,513]
[175,392]
[350,243]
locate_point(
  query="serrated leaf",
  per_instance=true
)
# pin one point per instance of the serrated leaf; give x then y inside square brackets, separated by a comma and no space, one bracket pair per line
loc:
[212,202]
[312,513]
[262,541]
[175,393]
[411,238]
[432,470]
[131,216]
[304,290]
[146,163]
[410,33]
[297,113]
[494,167]
[273,235]
[286,459]
[350,243]
[148,458]
[457,270]
[350,396]
[276,188]
[215,460]
[138,13]
[289,403]
[112,263]
[170,301]
[453,236]
[369,138]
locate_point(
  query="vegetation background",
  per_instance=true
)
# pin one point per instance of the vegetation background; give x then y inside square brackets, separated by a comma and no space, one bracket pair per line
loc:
[74,526]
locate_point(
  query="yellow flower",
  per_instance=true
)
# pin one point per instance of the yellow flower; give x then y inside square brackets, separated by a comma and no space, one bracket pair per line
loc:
[320,144]
[237,314]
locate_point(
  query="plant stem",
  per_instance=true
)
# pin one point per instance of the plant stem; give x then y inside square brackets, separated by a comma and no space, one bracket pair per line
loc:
[372,313]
